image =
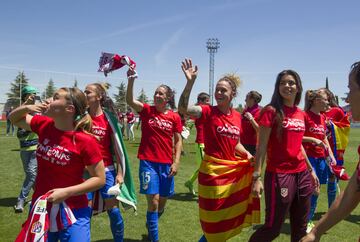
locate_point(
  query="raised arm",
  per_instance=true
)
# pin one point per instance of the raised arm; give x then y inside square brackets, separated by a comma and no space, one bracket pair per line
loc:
[130,100]
[190,73]
[21,117]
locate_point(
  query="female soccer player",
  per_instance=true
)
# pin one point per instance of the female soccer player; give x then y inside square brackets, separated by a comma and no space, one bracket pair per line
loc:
[98,100]
[202,99]
[249,121]
[316,144]
[161,134]
[289,179]
[65,148]
[225,201]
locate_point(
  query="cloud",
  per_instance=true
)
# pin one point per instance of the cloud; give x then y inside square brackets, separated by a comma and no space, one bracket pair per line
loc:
[172,41]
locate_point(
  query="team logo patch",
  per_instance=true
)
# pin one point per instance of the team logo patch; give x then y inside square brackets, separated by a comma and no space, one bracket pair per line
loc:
[36,227]
[284,192]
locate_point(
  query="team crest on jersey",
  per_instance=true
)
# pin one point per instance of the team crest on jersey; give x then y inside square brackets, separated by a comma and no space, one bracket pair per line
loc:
[36,227]
[284,192]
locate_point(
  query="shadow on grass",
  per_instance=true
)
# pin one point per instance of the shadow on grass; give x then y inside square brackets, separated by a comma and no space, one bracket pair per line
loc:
[144,238]
[352,218]
[182,196]
[8,201]
[15,150]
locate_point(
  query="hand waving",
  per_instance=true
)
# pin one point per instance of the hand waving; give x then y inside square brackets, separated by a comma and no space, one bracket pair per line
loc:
[189,70]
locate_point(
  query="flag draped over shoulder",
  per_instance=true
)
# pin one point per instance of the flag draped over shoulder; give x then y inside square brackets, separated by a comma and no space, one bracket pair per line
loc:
[127,195]
[226,204]
[339,138]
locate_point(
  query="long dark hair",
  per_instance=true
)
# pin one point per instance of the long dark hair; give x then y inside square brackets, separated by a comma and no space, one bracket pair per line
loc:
[277,101]
[170,94]
[355,70]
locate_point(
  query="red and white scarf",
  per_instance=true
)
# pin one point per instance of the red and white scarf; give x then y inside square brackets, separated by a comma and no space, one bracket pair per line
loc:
[110,62]
[39,222]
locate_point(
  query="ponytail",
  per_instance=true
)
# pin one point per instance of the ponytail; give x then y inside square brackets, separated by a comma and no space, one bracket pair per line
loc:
[82,120]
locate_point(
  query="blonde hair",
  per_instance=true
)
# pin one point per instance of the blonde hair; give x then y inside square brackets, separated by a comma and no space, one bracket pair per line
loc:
[105,101]
[233,80]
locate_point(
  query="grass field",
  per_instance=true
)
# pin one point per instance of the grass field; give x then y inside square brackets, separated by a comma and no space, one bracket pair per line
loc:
[180,220]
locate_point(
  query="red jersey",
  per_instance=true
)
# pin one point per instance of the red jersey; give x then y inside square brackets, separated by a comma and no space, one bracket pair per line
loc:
[248,134]
[62,157]
[130,116]
[284,152]
[102,130]
[335,114]
[158,130]
[314,127]
[199,125]
[222,132]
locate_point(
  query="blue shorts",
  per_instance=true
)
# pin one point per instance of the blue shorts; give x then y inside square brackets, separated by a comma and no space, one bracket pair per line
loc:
[110,180]
[321,169]
[154,178]
[79,231]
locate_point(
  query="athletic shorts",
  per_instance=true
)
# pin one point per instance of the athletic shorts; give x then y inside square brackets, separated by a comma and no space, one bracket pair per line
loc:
[154,178]
[78,231]
[110,180]
[321,169]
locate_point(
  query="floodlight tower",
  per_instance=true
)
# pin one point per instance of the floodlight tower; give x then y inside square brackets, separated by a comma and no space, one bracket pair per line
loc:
[212,45]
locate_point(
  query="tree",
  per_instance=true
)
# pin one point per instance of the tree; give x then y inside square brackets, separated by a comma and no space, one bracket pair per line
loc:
[120,98]
[14,94]
[239,108]
[49,90]
[142,97]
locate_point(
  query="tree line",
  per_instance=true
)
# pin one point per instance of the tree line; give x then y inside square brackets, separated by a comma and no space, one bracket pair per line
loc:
[13,96]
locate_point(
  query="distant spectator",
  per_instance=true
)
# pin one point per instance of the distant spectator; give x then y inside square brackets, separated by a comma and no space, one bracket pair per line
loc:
[28,144]
[130,116]
[8,123]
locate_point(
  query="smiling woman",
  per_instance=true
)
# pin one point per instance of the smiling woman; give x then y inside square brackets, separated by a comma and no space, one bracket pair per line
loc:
[288,175]
[161,128]
[225,172]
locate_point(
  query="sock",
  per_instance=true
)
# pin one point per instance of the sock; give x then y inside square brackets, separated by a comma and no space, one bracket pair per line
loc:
[331,189]
[116,224]
[160,213]
[194,176]
[152,219]
[313,206]
[203,239]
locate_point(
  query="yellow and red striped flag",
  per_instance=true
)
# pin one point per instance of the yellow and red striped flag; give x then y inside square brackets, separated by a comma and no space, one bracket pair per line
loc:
[226,204]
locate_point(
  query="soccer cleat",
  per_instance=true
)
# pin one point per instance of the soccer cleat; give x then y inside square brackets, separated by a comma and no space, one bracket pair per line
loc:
[19,207]
[190,186]
[310,226]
